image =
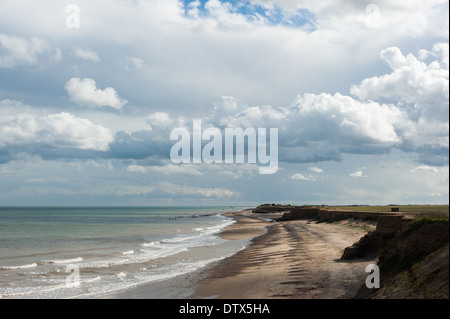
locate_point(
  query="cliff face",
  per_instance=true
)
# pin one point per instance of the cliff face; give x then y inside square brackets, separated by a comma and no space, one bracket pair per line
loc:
[322,215]
[413,254]
[388,226]
[272,208]
[414,263]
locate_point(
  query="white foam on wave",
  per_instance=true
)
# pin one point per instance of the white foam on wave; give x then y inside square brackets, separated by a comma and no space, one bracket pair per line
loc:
[150,244]
[94,279]
[64,261]
[55,288]
[26,291]
[167,251]
[163,248]
[19,267]
[123,281]
[120,277]
[128,252]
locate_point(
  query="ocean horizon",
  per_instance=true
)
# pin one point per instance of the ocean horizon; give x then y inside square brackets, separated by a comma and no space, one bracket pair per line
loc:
[86,251]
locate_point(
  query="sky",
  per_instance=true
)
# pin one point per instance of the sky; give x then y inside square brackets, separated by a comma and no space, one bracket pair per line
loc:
[90,92]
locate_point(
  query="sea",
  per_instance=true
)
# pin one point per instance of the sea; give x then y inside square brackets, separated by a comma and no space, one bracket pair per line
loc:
[84,252]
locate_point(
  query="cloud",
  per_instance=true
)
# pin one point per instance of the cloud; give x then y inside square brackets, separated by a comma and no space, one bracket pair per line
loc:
[175,189]
[301,177]
[424,86]
[421,91]
[140,145]
[313,128]
[137,63]
[58,131]
[159,119]
[407,18]
[406,109]
[322,127]
[425,168]
[366,122]
[195,51]
[281,63]
[318,127]
[193,8]
[85,93]
[125,190]
[316,169]
[17,51]
[137,169]
[169,169]
[86,54]
[168,188]
[357,174]
[436,194]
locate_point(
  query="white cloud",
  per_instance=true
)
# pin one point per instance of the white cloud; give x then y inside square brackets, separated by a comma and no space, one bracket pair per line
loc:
[358,174]
[133,190]
[426,86]
[420,90]
[319,127]
[84,92]
[425,168]
[137,63]
[436,194]
[193,9]
[61,130]
[321,123]
[347,118]
[169,169]
[86,54]
[159,119]
[415,117]
[182,46]
[137,169]
[301,177]
[198,53]
[222,13]
[235,171]
[316,169]
[175,189]
[16,51]
[407,18]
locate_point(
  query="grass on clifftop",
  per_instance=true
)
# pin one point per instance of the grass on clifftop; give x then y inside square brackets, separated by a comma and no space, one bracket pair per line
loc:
[428,210]
[421,222]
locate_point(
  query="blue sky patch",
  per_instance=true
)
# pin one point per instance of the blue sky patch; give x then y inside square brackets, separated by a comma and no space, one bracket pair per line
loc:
[274,16]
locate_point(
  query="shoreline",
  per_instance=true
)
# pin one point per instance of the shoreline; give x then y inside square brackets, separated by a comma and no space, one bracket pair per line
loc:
[296,259]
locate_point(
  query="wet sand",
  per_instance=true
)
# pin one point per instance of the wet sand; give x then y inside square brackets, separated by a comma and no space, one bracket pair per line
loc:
[294,259]
[285,260]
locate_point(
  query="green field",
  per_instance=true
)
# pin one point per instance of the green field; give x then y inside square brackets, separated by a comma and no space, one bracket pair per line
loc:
[442,210]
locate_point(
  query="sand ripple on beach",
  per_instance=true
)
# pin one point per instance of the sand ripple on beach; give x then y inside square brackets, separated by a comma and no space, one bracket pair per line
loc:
[294,259]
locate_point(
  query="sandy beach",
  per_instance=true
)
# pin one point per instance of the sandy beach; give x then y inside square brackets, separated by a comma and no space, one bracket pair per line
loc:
[294,259]
[297,259]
